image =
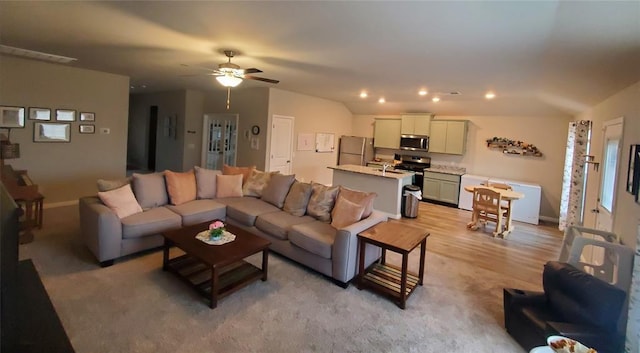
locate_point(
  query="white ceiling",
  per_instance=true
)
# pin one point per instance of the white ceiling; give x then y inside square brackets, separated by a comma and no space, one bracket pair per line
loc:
[541,58]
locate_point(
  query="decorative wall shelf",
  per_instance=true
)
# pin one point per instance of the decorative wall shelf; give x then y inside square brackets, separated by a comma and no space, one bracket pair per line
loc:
[513,147]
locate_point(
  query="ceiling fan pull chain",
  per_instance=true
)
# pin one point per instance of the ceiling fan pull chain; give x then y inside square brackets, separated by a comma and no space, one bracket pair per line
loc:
[228,96]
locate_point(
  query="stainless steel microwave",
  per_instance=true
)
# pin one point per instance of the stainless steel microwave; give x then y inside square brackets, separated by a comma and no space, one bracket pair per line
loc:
[414,143]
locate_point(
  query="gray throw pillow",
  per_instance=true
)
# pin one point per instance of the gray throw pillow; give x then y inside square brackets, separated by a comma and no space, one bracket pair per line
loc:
[322,200]
[206,183]
[150,190]
[277,189]
[297,199]
[112,184]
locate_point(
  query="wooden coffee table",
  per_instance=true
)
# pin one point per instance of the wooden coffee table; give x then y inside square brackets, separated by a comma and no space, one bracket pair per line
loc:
[392,281]
[215,271]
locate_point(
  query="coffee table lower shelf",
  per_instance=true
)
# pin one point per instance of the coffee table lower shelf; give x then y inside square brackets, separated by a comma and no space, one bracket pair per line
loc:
[386,279]
[200,276]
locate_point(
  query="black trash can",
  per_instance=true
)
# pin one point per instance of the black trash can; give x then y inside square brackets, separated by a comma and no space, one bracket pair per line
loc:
[411,196]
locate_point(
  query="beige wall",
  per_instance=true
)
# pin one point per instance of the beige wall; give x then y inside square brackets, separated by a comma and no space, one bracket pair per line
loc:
[66,171]
[627,211]
[312,115]
[194,104]
[549,134]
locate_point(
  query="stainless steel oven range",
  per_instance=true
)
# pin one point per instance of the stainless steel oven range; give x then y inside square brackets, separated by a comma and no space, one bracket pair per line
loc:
[415,164]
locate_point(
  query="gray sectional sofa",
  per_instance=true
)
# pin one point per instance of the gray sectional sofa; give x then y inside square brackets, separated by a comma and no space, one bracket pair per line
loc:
[304,239]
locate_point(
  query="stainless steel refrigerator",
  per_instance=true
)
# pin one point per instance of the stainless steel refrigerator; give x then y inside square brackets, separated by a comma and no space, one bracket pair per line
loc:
[355,150]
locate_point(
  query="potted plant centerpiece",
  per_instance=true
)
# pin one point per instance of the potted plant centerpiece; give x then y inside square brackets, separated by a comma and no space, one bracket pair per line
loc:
[216,230]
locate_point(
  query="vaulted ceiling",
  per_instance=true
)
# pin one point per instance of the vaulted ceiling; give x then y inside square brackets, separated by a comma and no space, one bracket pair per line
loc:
[540,58]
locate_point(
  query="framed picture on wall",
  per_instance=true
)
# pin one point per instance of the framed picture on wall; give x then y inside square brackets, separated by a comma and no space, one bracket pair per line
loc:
[39,113]
[51,132]
[65,115]
[632,171]
[11,117]
[87,129]
[85,116]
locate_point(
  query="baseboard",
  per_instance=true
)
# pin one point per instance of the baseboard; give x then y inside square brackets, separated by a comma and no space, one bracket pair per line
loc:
[60,204]
[550,219]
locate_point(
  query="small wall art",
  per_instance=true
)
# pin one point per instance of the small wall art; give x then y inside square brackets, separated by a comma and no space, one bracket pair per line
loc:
[11,117]
[39,113]
[86,116]
[325,142]
[87,129]
[51,132]
[632,171]
[65,115]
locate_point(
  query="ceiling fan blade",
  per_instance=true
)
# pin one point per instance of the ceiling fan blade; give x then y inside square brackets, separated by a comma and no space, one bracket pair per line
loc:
[200,67]
[261,79]
[252,70]
[200,75]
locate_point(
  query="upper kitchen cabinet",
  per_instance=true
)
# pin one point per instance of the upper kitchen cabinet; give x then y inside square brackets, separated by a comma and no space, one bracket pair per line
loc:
[416,124]
[448,136]
[386,133]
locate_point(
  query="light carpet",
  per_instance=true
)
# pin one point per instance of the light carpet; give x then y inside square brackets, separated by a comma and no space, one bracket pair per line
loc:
[133,306]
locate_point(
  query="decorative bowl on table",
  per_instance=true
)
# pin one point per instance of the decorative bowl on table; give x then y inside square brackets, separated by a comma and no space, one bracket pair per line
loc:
[561,344]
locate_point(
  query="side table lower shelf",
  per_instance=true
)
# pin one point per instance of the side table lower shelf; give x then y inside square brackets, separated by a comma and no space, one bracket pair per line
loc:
[387,279]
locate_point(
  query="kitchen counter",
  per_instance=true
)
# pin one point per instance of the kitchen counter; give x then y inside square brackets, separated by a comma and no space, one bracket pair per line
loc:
[387,185]
[375,171]
[445,169]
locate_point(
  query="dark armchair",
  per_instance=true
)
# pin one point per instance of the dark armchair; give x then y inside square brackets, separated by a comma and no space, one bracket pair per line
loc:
[574,304]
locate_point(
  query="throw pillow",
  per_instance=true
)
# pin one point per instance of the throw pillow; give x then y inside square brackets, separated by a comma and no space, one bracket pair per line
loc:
[107,184]
[150,190]
[256,183]
[244,171]
[360,197]
[180,186]
[228,185]
[297,199]
[276,191]
[206,183]
[321,202]
[345,213]
[121,201]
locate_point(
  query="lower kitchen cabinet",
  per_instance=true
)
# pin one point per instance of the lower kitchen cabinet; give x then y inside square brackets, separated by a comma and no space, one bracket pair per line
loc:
[441,187]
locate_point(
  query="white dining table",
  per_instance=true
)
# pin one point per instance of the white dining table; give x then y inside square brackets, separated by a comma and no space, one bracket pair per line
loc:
[507,195]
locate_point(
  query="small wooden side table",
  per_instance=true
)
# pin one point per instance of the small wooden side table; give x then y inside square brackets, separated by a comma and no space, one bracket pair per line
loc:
[396,283]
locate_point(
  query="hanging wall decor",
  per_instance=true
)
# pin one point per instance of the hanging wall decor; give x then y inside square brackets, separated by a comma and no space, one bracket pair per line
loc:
[509,146]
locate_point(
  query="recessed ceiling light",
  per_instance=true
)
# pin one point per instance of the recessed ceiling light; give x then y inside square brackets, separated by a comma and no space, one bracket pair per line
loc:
[381,100]
[435,99]
[490,95]
[363,94]
[423,92]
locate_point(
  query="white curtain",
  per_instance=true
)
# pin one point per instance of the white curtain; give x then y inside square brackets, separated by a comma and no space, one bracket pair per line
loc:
[572,201]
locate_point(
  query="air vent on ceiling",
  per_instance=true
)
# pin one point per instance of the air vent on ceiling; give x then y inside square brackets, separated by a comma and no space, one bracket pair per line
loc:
[32,54]
[455,93]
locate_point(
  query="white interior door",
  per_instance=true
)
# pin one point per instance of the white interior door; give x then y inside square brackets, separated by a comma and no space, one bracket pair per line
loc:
[219,140]
[611,145]
[281,146]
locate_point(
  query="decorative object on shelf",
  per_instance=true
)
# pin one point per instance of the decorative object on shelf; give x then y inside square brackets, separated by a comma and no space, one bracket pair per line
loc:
[39,113]
[11,117]
[8,150]
[216,234]
[509,146]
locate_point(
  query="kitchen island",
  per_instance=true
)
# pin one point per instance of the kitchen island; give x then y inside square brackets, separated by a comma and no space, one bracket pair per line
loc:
[388,185]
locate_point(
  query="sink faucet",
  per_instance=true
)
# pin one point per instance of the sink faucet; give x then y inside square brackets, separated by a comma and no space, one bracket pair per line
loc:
[385,166]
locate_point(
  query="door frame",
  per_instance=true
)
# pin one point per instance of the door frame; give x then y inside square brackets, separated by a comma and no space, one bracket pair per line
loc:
[616,121]
[270,135]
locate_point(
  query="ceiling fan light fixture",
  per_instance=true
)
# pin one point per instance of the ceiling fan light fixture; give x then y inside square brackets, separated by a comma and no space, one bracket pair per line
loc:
[229,80]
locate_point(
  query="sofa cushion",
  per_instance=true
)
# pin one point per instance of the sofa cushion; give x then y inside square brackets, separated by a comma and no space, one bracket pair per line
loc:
[151,222]
[297,198]
[276,191]
[206,182]
[278,223]
[121,201]
[345,213]
[198,211]
[228,186]
[359,197]
[180,186]
[256,183]
[230,200]
[244,171]
[321,202]
[111,184]
[315,237]
[150,190]
[247,210]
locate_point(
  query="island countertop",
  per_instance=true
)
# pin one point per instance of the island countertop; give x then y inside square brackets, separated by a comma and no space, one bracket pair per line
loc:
[374,171]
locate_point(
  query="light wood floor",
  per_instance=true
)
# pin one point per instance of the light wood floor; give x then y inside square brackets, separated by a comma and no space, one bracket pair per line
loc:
[521,255]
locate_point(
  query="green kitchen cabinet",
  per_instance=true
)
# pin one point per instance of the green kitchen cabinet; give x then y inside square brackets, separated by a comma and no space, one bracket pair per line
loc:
[416,124]
[441,187]
[448,136]
[386,133]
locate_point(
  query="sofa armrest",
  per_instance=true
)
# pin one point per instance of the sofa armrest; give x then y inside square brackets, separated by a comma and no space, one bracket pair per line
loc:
[520,297]
[345,247]
[100,228]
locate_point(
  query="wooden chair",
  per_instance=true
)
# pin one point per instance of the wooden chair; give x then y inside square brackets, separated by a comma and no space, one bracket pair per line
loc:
[487,207]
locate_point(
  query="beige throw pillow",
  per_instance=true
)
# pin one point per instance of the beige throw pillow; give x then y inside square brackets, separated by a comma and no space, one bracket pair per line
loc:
[228,185]
[362,198]
[345,213]
[121,201]
[322,200]
[256,183]
[276,191]
[244,171]
[180,186]
[297,199]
